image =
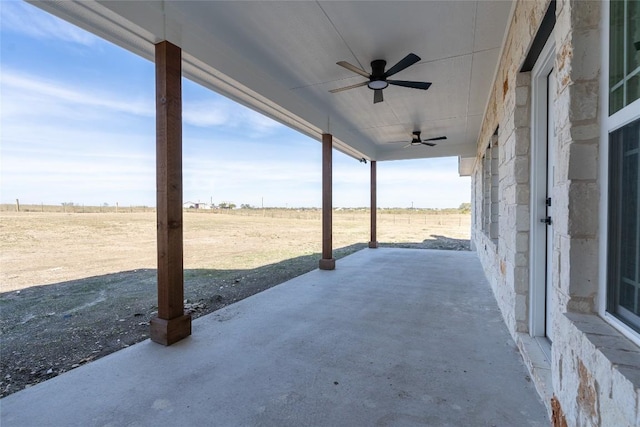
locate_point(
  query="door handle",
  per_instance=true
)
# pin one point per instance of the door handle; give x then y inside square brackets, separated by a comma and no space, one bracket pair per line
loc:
[546,220]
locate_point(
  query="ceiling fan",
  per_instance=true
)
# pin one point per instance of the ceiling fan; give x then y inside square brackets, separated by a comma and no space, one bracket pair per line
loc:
[417,141]
[378,79]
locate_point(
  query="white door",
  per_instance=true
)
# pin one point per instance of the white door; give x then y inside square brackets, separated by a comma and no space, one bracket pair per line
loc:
[543,149]
[549,203]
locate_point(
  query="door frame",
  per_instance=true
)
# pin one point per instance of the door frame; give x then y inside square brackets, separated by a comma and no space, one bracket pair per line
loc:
[537,233]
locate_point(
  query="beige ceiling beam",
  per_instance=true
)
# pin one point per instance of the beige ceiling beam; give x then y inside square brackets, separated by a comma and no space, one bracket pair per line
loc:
[171,324]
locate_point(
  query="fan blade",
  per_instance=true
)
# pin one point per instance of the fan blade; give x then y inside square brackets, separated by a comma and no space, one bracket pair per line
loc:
[415,85]
[377,96]
[340,89]
[408,145]
[405,62]
[353,68]
[435,139]
[430,144]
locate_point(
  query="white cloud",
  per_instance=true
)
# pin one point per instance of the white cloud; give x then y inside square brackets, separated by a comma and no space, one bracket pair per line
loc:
[22,93]
[205,113]
[224,112]
[28,95]
[22,18]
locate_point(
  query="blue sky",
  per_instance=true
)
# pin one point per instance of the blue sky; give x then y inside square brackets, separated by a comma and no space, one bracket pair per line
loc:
[77,125]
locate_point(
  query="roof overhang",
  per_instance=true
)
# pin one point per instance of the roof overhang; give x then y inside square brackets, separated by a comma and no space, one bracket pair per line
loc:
[279,58]
[465,165]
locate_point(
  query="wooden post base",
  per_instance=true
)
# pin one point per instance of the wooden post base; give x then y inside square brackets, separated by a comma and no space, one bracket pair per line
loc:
[327,264]
[167,332]
[373,245]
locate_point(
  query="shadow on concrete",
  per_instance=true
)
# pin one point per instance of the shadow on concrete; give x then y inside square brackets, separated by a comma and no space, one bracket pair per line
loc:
[47,330]
[391,337]
[434,242]
[50,329]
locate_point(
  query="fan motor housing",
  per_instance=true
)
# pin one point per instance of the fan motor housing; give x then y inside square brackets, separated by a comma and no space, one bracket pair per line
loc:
[377,79]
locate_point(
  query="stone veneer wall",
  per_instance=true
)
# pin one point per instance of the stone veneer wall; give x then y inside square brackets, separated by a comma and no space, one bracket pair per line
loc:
[595,371]
[507,263]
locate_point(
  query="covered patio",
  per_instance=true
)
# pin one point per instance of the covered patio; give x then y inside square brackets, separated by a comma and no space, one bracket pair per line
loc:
[391,337]
[319,68]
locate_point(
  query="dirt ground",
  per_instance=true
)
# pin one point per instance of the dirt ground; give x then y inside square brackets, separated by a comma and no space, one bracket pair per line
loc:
[75,287]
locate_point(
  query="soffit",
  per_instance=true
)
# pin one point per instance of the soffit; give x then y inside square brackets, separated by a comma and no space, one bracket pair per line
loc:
[280,59]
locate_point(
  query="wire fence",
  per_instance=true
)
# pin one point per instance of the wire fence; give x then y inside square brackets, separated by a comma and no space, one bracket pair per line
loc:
[440,217]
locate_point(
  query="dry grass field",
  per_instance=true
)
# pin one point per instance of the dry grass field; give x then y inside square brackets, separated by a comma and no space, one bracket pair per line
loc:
[43,248]
[77,286]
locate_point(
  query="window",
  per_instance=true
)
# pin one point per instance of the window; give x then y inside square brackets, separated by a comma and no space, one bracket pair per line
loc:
[624,54]
[490,186]
[624,224]
[622,131]
[495,183]
[486,191]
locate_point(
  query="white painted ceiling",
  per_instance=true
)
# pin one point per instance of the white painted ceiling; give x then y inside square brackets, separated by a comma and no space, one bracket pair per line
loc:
[280,59]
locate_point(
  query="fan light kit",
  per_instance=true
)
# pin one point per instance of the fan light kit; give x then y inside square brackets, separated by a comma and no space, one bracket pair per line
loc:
[377,84]
[378,79]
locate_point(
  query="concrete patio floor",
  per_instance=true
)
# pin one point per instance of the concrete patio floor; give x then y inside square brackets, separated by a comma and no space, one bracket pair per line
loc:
[392,337]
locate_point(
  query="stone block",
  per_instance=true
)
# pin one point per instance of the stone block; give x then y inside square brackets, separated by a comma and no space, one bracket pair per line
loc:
[585,62]
[583,209]
[584,268]
[522,141]
[522,117]
[523,194]
[523,79]
[624,394]
[583,162]
[586,14]
[521,274]
[521,307]
[584,101]
[522,96]
[521,169]
[587,132]
[560,209]
[522,242]
[522,218]
[581,304]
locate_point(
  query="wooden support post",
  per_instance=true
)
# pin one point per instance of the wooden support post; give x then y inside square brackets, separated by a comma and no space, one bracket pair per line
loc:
[171,324]
[373,243]
[327,262]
